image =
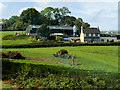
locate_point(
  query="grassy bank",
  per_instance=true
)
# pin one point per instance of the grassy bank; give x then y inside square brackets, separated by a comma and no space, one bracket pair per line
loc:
[101,58]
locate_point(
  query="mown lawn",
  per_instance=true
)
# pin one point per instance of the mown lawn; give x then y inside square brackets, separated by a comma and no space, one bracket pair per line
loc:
[4,33]
[13,42]
[100,58]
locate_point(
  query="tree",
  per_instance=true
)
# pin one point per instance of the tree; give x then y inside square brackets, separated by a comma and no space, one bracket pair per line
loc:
[54,16]
[86,25]
[68,21]
[43,31]
[13,19]
[59,14]
[17,26]
[31,16]
[5,24]
[48,13]
[78,23]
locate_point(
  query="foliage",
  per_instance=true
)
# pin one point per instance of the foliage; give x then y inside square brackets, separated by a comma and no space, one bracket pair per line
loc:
[62,54]
[78,23]
[31,16]
[59,39]
[13,55]
[43,31]
[28,75]
[14,37]
[68,21]
[55,15]
[55,44]
[7,23]
[62,51]
[85,25]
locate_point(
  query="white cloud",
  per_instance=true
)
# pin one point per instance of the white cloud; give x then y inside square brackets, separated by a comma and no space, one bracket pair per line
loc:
[2,6]
[59,1]
[104,15]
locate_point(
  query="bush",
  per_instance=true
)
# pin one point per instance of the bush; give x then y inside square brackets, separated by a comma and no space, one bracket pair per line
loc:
[14,37]
[59,39]
[62,51]
[3,55]
[14,55]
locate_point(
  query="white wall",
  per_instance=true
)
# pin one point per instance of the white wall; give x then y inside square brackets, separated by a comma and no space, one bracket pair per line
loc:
[82,35]
[108,38]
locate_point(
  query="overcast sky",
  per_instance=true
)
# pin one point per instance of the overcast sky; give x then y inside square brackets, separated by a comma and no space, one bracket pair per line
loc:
[96,13]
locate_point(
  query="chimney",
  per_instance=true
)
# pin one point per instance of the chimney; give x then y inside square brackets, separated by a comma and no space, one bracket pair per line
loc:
[98,27]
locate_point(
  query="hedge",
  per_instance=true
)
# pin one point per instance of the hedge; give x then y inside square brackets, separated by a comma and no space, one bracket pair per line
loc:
[35,45]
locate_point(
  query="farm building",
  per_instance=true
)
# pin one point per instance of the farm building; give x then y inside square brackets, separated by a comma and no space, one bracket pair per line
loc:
[108,38]
[91,34]
[32,29]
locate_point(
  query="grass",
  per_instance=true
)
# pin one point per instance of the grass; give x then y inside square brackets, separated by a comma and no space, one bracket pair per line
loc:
[93,60]
[100,58]
[5,86]
[4,33]
[15,42]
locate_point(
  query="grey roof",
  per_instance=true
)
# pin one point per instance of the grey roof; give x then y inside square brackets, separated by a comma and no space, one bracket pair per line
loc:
[52,27]
[61,27]
[91,30]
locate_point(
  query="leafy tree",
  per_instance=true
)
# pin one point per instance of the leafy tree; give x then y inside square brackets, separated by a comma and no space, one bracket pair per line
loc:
[86,25]
[13,19]
[78,23]
[68,21]
[31,16]
[17,26]
[5,24]
[48,13]
[43,31]
[54,16]
[60,13]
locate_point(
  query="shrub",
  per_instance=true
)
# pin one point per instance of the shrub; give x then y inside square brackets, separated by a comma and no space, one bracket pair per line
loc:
[3,55]
[14,37]
[43,39]
[14,55]
[62,51]
[59,39]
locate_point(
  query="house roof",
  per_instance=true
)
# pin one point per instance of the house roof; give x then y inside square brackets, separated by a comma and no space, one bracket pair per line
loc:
[91,30]
[61,27]
[53,27]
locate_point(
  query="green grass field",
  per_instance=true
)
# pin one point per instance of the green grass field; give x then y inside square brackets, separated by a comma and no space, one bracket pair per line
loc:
[92,60]
[4,33]
[101,58]
[13,42]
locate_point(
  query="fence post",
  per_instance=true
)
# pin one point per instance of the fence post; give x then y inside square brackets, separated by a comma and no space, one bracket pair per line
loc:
[73,57]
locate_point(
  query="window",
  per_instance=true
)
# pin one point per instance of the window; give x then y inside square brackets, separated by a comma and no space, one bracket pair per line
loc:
[91,35]
[102,40]
[96,34]
[87,34]
[87,39]
[96,39]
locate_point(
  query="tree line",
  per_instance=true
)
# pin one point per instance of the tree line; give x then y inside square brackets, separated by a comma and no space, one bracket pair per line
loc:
[48,16]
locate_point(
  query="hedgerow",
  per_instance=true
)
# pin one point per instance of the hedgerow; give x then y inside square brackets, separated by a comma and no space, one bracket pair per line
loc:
[47,76]
[55,44]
